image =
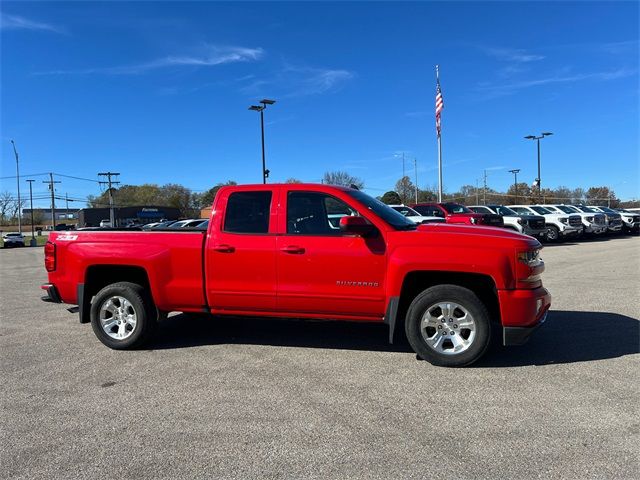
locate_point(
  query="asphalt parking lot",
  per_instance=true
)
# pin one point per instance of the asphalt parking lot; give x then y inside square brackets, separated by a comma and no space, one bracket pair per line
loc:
[280,399]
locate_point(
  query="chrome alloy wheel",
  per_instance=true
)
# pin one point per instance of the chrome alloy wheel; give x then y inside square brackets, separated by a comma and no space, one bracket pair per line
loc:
[118,317]
[448,328]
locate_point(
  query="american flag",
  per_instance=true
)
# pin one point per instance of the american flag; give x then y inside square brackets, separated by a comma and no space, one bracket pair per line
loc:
[439,105]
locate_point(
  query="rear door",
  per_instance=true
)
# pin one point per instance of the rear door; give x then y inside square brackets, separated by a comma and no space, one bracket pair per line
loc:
[322,270]
[241,251]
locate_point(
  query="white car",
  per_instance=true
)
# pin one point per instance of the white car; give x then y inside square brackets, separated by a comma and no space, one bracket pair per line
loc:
[190,223]
[414,216]
[530,224]
[591,222]
[13,240]
[614,219]
[559,225]
[105,224]
[630,220]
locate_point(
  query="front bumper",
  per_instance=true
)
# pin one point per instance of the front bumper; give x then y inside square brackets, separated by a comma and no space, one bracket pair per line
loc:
[520,335]
[535,232]
[522,312]
[52,293]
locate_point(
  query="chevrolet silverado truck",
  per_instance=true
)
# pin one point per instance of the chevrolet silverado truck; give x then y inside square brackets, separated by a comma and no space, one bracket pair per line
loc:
[458,214]
[278,251]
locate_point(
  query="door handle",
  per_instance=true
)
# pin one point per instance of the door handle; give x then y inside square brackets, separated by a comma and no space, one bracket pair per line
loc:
[293,249]
[224,248]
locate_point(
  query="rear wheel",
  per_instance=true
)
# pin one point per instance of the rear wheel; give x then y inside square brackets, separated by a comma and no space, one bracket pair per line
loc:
[448,325]
[123,316]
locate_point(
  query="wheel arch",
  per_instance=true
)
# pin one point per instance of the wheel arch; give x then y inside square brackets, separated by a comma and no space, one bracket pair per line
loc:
[482,285]
[99,276]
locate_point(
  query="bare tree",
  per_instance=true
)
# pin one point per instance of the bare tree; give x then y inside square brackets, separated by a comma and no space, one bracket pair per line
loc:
[343,179]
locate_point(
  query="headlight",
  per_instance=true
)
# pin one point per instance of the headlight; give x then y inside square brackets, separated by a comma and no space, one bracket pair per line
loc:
[589,219]
[530,257]
[519,220]
[564,220]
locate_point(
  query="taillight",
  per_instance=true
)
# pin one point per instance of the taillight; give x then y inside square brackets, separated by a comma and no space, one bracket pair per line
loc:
[50,256]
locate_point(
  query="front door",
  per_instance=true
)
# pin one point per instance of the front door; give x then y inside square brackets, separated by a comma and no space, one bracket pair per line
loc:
[322,270]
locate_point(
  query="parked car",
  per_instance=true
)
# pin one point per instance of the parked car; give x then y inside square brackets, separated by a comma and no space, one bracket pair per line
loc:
[271,251]
[456,213]
[105,224]
[592,223]
[614,219]
[533,225]
[13,239]
[190,223]
[560,226]
[159,225]
[630,220]
[414,216]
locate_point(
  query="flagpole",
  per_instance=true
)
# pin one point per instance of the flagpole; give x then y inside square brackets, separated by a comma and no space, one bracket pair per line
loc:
[439,146]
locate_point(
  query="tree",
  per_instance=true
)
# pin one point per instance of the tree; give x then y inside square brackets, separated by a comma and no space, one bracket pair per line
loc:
[292,180]
[406,189]
[601,196]
[577,195]
[430,194]
[206,199]
[343,179]
[391,198]
[524,195]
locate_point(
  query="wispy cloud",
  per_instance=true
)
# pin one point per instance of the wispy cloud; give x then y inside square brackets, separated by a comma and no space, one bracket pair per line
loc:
[16,22]
[510,88]
[512,54]
[296,81]
[212,56]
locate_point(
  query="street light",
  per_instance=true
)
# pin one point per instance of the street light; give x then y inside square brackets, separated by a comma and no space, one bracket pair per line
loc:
[515,172]
[261,108]
[15,152]
[533,137]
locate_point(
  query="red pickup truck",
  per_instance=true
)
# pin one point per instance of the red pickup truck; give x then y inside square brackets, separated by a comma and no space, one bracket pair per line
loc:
[307,251]
[456,213]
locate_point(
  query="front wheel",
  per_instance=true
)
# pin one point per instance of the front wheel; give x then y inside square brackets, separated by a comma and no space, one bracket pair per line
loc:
[123,316]
[553,234]
[448,326]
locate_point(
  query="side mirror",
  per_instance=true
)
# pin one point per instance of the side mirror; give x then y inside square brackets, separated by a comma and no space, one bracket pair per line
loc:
[356,226]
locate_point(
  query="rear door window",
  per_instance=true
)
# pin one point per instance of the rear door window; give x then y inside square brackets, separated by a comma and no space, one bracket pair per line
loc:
[248,212]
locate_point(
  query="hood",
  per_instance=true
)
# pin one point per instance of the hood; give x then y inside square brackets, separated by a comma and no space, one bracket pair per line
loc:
[472,235]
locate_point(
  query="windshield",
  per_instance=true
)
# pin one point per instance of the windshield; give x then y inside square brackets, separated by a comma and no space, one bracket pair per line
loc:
[567,209]
[585,209]
[541,210]
[407,211]
[500,210]
[607,209]
[456,208]
[388,214]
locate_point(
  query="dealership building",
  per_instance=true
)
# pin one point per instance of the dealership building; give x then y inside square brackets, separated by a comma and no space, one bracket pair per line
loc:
[91,217]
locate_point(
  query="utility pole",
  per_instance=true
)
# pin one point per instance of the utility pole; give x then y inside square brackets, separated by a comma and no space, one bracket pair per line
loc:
[33,235]
[15,152]
[53,199]
[415,166]
[484,191]
[515,172]
[403,170]
[110,183]
[477,193]
[66,197]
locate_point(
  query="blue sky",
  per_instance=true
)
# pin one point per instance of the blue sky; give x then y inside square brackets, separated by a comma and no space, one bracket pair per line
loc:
[159,91]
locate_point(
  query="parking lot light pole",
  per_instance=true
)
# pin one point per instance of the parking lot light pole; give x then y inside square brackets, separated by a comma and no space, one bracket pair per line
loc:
[32,243]
[515,172]
[261,108]
[537,138]
[15,152]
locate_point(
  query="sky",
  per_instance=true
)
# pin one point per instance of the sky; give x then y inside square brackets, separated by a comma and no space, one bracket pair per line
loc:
[159,92]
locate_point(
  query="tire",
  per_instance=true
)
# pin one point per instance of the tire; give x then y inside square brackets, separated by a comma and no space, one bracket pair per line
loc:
[123,316]
[471,341]
[553,234]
